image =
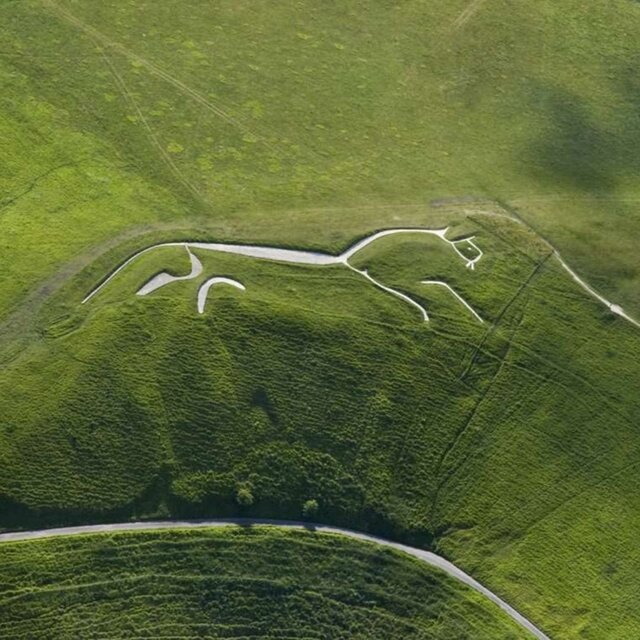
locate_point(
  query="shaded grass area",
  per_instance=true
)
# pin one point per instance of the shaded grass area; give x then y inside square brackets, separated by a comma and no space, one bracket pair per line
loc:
[233,583]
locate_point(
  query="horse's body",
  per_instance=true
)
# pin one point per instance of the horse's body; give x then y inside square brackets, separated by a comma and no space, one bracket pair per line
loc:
[293,256]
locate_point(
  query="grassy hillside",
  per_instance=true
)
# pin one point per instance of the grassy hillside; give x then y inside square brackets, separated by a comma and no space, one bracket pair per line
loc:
[242,584]
[509,446]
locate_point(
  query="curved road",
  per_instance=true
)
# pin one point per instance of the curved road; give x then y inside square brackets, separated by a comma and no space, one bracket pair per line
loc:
[425,556]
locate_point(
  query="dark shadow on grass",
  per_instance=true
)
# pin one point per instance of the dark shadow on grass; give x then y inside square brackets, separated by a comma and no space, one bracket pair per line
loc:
[577,149]
[572,148]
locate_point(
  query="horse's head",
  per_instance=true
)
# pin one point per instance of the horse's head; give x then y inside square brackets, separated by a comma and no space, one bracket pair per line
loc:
[398,259]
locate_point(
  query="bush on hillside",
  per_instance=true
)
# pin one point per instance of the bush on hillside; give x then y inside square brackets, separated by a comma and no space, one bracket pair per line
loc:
[310,508]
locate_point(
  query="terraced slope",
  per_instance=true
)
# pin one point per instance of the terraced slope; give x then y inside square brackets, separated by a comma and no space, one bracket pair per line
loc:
[240,584]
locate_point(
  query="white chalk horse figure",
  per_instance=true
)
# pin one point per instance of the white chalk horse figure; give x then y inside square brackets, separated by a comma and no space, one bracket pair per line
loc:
[297,257]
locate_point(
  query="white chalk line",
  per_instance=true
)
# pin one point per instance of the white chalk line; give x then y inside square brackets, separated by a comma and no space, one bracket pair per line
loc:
[293,256]
[163,278]
[613,307]
[204,289]
[456,294]
[471,264]
[127,263]
[427,557]
[393,292]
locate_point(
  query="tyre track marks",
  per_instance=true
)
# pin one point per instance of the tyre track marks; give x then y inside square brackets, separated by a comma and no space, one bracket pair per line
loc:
[153,68]
[128,96]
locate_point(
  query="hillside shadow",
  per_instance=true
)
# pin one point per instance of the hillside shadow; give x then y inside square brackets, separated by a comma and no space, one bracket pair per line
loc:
[575,148]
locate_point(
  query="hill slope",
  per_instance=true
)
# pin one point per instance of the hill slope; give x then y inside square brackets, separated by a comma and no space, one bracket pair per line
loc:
[509,445]
[263,583]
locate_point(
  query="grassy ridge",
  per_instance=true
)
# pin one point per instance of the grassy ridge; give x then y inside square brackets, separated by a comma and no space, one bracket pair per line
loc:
[236,583]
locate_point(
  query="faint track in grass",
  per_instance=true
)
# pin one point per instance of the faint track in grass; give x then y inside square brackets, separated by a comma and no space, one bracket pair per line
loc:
[128,96]
[427,557]
[153,68]
[441,483]
[506,307]
[575,496]
[586,469]
[470,10]
[12,199]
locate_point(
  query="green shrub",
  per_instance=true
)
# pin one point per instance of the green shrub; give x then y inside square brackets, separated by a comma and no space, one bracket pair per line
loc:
[244,497]
[310,508]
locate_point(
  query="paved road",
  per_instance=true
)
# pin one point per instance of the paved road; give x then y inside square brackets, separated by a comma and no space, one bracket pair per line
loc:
[425,556]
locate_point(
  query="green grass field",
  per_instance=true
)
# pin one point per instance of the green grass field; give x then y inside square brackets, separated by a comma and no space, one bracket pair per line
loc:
[245,116]
[510,447]
[260,583]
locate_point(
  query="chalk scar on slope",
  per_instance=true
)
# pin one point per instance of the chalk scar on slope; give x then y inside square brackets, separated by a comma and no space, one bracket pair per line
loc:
[427,557]
[456,295]
[393,292]
[164,278]
[203,291]
[302,257]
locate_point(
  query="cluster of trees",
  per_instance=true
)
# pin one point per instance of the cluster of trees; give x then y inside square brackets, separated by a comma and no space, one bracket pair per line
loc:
[245,499]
